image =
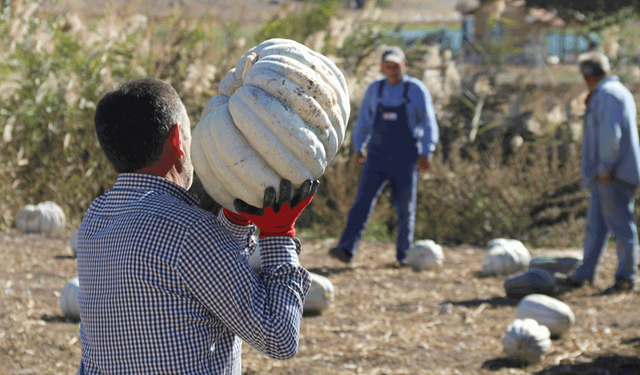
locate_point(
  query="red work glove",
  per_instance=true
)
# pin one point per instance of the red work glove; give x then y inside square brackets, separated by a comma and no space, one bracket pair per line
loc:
[235,218]
[279,218]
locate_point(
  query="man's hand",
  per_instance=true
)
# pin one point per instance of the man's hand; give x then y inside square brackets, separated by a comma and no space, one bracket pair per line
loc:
[423,163]
[278,218]
[360,158]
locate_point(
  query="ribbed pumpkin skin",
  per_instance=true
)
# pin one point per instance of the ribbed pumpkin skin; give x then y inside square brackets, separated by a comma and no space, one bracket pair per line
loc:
[320,295]
[45,217]
[69,299]
[526,340]
[282,113]
[504,256]
[424,255]
[74,243]
[558,262]
[548,311]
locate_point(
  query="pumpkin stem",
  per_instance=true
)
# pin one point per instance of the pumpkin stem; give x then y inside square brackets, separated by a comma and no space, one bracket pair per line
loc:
[248,63]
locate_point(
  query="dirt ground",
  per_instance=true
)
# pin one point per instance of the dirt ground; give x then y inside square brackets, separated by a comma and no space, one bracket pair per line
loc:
[384,320]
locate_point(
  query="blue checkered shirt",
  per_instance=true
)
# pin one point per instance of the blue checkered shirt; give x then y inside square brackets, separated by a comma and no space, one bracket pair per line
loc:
[166,287]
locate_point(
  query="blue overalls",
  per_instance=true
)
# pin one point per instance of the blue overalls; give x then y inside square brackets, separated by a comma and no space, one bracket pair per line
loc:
[391,156]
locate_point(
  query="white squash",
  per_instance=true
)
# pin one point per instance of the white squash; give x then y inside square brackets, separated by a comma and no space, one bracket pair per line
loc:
[424,255]
[564,262]
[45,217]
[548,311]
[69,299]
[282,112]
[504,256]
[526,340]
[320,295]
[74,243]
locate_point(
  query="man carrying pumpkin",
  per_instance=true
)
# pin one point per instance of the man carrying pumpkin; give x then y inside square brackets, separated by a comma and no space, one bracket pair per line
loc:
[397,131]
[165,287]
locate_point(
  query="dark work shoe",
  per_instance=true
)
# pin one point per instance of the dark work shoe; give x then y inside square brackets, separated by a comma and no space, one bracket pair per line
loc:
[568,282]
[621,286]
[341,255]
[397,264]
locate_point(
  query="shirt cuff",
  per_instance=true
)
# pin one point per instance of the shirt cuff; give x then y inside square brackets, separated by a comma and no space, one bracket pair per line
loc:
[242,232]
[276,251]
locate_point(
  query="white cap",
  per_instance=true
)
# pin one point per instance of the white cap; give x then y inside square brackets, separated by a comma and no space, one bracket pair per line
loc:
[393,54]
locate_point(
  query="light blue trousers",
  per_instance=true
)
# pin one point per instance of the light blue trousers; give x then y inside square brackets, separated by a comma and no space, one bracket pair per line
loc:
[610,211]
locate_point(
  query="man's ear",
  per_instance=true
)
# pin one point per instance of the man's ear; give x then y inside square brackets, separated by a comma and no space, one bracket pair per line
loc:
[175,140]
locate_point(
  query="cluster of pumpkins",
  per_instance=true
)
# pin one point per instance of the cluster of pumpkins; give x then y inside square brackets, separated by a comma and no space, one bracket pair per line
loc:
[540,316]
[48,217]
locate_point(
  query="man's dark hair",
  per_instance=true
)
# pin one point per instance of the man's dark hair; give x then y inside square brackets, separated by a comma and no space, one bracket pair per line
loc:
[133,121]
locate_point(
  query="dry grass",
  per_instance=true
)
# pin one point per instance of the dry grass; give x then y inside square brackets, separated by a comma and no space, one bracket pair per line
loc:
[383,320]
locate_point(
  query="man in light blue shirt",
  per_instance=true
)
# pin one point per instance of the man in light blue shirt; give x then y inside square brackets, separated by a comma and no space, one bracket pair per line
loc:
[611,170]
[397,131]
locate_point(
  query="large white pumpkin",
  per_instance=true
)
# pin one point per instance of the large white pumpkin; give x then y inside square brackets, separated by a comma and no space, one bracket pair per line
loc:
[69,299]
[282,112]
[526,340]
[504,256]
[320,295]
[424,255]
[45,217]
[548,311]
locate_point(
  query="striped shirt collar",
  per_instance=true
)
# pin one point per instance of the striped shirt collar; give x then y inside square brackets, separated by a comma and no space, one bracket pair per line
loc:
[148,182]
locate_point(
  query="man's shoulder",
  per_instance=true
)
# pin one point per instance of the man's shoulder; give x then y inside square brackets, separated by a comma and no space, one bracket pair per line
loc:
[613,86]
[416,83]
[171,207]
[160,204]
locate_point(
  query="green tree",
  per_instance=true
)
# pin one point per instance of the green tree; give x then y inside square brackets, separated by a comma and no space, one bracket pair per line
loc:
[597,14]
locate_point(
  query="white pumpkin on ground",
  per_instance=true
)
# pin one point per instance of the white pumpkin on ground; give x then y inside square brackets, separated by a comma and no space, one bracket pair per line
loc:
[320,295]
[282,113]
[548,311]
[74,243]
[45,217]
[69,299]
[564,262]
[504,256]
[526,340]
[424,255]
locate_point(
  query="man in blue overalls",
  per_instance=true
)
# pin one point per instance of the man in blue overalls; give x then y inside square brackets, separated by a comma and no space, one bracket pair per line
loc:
[397,127]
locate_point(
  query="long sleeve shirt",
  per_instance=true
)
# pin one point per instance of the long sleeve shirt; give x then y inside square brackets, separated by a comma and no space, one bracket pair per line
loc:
[422,118]
[610,138]
[166,287]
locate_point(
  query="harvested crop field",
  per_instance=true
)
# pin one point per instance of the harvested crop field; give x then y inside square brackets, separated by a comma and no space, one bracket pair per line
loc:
[384,320]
